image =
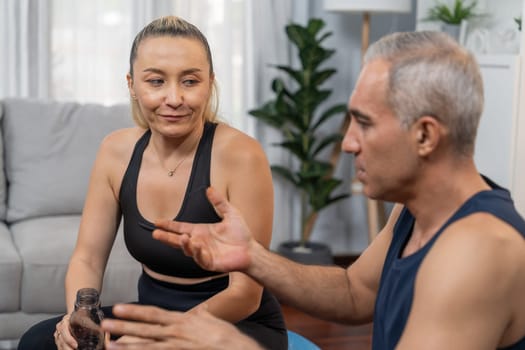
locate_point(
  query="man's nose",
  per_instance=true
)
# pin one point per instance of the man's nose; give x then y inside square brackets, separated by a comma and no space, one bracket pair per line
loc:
[350,142]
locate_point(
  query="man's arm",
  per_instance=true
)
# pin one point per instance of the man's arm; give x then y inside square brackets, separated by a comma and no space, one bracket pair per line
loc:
[331,293]
[161,329]
[327,292]
[468,289]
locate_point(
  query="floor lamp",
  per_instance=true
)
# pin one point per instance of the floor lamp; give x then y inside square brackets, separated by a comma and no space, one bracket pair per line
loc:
[375,209]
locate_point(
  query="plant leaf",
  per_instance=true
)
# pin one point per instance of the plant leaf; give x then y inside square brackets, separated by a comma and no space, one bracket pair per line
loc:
[314,26]
[323,37]
[459,11]
[332,111]
[295,74]
[320,77]
[285,173]
[326,141]
[297,35]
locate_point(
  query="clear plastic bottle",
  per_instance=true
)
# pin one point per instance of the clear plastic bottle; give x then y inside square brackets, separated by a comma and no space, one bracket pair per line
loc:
[85,320]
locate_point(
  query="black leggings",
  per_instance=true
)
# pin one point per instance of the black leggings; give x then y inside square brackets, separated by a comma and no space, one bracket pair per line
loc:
[266,325]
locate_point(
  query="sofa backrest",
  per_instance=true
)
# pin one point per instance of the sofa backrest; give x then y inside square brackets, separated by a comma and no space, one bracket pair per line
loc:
[49,149]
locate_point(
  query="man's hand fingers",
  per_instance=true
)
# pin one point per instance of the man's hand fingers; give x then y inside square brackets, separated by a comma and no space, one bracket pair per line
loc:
[129,328]
[220,203]
[176,227]
[148,314]
[170,238]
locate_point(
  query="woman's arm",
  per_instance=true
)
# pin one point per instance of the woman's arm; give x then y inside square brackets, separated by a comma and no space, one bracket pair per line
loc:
[242,173]
[99,223]
[97,231]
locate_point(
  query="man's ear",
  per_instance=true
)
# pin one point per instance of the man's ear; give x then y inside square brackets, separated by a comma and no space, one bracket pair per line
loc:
[428,133]
[130,86]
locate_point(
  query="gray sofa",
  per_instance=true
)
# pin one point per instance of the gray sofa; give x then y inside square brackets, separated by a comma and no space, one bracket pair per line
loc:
[46,153]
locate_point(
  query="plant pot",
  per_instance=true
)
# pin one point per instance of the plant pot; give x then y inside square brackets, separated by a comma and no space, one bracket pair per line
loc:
[311,253]
[453,30]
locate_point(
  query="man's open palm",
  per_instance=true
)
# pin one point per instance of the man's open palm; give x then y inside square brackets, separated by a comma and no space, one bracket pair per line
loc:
[221,246]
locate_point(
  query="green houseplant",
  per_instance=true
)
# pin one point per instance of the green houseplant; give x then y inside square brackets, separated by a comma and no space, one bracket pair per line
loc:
[295,113]
[453,17]
[460,11]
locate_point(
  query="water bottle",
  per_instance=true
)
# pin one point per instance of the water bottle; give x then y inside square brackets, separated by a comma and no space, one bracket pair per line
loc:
[85,320]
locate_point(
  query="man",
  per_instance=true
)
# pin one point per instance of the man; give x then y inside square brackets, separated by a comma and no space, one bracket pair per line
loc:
[448,269]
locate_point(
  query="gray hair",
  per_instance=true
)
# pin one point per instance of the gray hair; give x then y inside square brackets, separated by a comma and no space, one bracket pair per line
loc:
[431,74]
[175,27]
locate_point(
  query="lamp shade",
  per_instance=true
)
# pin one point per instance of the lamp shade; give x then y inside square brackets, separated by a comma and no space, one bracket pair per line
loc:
[368,5]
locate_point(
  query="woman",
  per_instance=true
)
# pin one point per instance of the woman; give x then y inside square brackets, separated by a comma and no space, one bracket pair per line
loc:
[161,169]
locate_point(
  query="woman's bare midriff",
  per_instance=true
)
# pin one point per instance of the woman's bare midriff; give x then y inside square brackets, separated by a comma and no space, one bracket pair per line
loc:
[179,280]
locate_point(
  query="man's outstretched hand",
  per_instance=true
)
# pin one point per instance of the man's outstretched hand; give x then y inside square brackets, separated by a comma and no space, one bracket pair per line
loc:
[153,328]
[222,246]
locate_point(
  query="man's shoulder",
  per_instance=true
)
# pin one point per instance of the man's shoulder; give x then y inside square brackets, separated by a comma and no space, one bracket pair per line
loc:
[480,229]
[481,244]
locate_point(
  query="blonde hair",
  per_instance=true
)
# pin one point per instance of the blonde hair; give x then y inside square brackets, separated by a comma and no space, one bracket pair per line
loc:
[175,27]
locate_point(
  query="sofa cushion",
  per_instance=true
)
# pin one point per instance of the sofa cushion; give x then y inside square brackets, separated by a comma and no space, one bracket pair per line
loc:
[14,324]
[3,189]
[45,246]
[10,272]
[51,149]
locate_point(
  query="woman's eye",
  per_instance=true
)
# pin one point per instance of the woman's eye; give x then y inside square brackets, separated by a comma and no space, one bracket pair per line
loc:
[155,82]
[190,82]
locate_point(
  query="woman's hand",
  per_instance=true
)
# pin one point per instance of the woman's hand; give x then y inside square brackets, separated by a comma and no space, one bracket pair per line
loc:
[64,340]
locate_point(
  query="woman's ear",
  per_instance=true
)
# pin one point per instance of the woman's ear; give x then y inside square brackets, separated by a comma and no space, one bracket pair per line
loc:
[130,86]
[428,133]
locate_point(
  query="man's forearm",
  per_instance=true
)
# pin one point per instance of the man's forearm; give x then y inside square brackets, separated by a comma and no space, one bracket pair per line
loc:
[327,297]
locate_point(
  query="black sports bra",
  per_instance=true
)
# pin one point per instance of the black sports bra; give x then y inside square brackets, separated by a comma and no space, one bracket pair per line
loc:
[195,208]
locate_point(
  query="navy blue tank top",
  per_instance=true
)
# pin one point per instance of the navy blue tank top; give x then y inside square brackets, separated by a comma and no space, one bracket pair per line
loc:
[195,208]
[396,290]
